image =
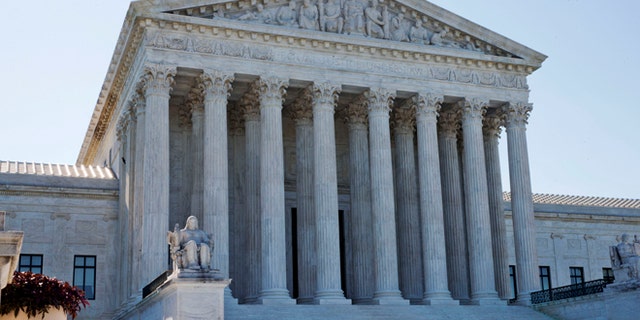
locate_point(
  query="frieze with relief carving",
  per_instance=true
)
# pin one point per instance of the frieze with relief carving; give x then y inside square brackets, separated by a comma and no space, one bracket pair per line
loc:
[381,19]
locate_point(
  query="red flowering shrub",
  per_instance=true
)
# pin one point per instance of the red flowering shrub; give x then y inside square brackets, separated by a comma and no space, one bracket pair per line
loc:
[34,293]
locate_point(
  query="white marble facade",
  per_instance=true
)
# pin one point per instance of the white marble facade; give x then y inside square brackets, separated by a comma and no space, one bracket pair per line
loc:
[255,117]
[338,151]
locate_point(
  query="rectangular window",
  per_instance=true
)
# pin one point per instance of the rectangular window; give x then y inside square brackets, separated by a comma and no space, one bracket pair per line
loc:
[577,275]
[30,262]
[512,281]
[84,275]
[545,277]
[607,275]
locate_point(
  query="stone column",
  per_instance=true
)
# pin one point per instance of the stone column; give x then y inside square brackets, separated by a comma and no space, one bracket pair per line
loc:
[477,204]
[157,87]
[360,192]
[382,207]
[251,107]
[453,205]
[325,195]
[123,134]
[239,269]
[274,269]
[216,87]
[138,197]
[491,131]
[407,205]
[301,112]
[524,230]
[436,288]
[196,106]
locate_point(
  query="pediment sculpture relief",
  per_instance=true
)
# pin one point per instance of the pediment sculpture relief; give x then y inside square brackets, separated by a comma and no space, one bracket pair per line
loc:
[369,18]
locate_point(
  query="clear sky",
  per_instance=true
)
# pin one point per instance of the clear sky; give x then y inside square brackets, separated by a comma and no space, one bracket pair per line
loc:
[583,134]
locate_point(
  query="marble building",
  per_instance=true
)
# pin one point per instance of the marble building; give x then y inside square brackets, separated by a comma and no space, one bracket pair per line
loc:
[339,152]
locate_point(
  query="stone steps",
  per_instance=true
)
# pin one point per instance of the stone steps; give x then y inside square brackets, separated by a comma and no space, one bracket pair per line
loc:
[369,312]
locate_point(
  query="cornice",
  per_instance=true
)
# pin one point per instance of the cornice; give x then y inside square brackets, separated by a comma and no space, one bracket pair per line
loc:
[33,191]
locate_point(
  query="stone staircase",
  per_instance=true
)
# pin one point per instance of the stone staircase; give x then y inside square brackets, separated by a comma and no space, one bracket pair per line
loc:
[368,312]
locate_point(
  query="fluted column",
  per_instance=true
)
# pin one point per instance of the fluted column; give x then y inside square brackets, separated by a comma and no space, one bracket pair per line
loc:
[137,198]
[274,269]
[524,232]
[382,206]
[477,204]
[250,105]
[124,129]
[239,268]
[325,179]
[407,205]
[453,205]
[436,288]
[360,192]
[301,112]
[196,104]
[157,87]
[491,131]
[216,87]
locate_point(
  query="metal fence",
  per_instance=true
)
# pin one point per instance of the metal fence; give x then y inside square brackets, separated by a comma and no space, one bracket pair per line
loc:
[570,291]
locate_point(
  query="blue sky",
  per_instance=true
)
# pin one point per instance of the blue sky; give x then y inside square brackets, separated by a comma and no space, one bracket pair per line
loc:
[584,137]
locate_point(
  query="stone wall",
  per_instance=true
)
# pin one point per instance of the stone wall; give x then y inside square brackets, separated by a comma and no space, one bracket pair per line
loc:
[62,217]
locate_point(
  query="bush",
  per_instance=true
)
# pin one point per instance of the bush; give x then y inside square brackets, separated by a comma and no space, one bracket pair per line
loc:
[34,293]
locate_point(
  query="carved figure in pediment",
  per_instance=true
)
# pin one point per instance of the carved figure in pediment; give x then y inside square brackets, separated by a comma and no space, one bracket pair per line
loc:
[419,34]
[260,15]
[308,16]
[331,19]
[377,25]
[286,15]
[354,16]
[399,28]
[440,39]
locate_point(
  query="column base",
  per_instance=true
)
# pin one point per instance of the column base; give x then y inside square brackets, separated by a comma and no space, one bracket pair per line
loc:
[388,298]
[524,299]
[488,302]
[331,301]
[275,296]
[440,302]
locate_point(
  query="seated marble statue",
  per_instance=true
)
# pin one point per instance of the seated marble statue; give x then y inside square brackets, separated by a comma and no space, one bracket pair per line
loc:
[625,256]
[190,246]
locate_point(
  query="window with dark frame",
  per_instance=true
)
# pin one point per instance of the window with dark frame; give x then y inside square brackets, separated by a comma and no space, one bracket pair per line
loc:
[84,275]
[30,262]
[576,274]
[512,282]
[607,275]
[545,277]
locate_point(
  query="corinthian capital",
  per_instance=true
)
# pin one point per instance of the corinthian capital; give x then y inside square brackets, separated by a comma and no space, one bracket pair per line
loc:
[427,105]
[158,78]
[449,121]
[250,103]
[356,112]
[404,119]
[473,108]
[301,110]
[517,113]
[325,95]
[235,119]
[195,101]
[379,100]
[492,124]
[215,83]
[272,90]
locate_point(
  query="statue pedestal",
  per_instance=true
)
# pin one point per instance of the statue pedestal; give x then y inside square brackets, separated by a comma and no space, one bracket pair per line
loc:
[184,296]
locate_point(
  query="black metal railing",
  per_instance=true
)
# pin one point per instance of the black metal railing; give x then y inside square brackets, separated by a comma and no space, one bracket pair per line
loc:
[155,284]
[570,291]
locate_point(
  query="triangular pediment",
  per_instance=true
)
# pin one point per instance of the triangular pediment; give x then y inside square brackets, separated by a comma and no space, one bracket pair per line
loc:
[411,21]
